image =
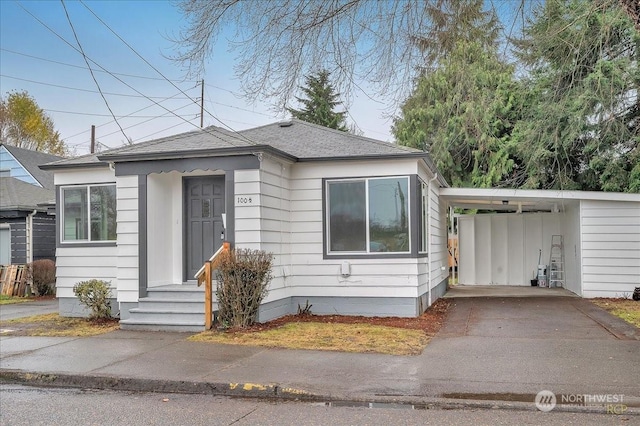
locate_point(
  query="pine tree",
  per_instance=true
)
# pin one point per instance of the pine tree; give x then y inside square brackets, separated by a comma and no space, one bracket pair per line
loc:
[319,102]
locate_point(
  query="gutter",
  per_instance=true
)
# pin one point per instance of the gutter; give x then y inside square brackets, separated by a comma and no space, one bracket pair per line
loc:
[29,236]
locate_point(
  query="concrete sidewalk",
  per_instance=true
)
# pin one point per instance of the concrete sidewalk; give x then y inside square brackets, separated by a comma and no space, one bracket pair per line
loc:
[492,349]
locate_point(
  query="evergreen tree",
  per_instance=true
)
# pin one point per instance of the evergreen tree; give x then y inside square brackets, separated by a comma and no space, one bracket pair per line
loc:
[463,114]
[464,106]
[581,127]
[319,102]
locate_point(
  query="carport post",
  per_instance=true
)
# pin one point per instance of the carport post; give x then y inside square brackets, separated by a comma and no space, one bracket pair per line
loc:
[453,269]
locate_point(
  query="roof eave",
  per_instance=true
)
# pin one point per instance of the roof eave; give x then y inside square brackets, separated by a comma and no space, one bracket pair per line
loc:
[216,152]
[74,166]
[365,157]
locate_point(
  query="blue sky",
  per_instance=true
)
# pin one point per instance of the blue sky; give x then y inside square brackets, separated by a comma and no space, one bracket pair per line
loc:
[34,59]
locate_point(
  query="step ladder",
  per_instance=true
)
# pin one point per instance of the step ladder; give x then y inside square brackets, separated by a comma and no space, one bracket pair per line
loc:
[556,262]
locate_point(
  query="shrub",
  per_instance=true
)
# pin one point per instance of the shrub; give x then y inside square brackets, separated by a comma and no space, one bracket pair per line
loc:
[95,294]
[243,278]
[42,274]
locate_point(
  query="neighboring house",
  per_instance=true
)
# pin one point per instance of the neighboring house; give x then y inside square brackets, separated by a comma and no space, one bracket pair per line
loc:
[357,226]
[27,230]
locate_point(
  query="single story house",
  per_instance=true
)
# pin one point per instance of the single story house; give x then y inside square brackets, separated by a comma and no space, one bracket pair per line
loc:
[27,224]
[357,226]
[350,221]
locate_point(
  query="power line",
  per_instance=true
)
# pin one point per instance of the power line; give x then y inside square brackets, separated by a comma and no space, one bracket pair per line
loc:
[114,76]
[134,112]
[85,90]
[168,128]
[84,68]
[157,70]
[90,114]
[146,121]
[90,70]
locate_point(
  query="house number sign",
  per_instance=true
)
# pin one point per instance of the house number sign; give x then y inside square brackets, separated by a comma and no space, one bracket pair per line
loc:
[247,200]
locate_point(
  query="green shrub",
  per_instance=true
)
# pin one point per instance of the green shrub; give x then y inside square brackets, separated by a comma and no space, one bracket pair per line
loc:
[95,294]
[42,274]
[243,278]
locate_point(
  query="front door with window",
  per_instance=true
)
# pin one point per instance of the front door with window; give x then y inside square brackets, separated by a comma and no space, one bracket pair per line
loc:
[204,200]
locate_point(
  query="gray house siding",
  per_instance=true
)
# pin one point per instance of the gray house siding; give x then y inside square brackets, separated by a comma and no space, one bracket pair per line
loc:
[18,241]
[44,237]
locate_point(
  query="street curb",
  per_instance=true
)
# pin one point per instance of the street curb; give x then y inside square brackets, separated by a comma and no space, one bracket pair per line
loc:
[273,392]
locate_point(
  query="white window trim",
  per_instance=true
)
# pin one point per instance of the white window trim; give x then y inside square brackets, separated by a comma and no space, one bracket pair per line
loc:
[424,222]
[88,240]
[367,252]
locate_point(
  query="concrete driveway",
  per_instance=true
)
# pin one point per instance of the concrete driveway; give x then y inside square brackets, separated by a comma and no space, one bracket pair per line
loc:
[27,309]
[508,347]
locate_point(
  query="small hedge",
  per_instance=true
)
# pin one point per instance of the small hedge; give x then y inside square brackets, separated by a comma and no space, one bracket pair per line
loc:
[95,295]
[243,278]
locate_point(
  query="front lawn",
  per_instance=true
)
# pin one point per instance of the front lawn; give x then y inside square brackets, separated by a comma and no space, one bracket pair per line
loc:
[389,335]
[53,325]
[327,337]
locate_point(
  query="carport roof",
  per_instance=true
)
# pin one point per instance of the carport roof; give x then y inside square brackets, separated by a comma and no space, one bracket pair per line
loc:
[524,199]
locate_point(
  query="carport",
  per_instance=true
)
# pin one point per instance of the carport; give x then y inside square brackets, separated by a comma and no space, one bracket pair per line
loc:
[501,243]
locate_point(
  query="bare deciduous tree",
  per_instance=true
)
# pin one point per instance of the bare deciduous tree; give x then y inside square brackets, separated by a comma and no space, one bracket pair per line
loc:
[278,42]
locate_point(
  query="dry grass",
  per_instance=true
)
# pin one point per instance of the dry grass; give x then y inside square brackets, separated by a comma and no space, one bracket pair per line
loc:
[327,337]
[10,300]
[627,309]
[53,325]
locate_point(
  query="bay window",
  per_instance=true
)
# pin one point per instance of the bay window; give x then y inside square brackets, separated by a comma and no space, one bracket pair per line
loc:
[88,213]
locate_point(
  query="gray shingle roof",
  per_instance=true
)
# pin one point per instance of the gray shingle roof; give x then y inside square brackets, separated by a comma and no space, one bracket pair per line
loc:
[18,195]
[30,160]
[308,141]
[88,160]
[297,139]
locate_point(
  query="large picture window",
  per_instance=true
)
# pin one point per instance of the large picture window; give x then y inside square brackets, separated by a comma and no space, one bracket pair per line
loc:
[368,215]
[89,213]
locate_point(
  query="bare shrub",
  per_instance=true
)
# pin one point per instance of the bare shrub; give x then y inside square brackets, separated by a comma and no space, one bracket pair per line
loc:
[42,274]
[243,277]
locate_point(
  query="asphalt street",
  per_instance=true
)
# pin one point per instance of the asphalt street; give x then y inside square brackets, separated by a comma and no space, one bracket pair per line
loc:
[21,405]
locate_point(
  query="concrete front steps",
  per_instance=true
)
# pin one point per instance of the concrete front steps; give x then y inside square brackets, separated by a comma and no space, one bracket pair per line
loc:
[168,308]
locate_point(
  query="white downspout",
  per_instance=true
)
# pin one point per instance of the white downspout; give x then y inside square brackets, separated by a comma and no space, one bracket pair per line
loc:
[435,176]
[29,236]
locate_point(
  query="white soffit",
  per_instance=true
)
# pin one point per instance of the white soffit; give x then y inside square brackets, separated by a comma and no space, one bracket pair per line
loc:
[525,199]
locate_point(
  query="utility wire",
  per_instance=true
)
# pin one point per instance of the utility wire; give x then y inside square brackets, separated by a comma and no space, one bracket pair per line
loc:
[157,70]
[146,121]
[84,68]
[90,114]
[90,70]
[168,128]
[128,115]
[84,90]
[114,76]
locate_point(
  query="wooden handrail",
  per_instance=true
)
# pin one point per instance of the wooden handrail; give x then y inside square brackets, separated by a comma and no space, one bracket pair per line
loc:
[205,275]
